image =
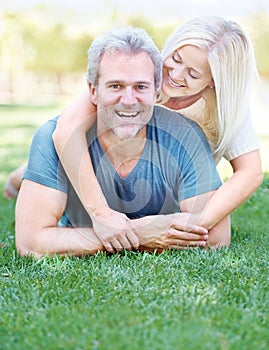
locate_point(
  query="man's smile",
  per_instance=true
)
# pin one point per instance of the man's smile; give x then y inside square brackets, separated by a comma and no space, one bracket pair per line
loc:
[125,114]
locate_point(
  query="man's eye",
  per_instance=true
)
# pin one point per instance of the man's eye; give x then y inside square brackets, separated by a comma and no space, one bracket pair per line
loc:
[114,86]
[141,87]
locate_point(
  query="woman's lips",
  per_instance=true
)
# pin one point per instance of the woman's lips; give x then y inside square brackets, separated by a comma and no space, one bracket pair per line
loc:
[173,83]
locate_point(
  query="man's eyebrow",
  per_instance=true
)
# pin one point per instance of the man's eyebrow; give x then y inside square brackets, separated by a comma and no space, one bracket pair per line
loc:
[114,82]
[118,81]
[145,82]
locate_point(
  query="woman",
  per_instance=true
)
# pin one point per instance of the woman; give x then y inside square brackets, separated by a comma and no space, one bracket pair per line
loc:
[208,67]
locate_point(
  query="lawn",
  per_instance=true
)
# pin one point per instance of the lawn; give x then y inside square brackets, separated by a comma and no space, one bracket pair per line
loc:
[189,300]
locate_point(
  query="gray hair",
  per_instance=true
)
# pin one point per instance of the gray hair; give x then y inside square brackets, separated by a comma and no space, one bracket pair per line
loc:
[126,40]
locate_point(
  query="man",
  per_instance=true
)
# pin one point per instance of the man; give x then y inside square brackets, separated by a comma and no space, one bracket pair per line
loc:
[150,162]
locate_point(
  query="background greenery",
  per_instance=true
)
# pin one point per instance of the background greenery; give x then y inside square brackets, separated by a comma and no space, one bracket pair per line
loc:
[44,46]
[176,300]
[39,56]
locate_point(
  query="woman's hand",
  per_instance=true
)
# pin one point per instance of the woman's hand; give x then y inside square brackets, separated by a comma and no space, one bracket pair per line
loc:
[114,230]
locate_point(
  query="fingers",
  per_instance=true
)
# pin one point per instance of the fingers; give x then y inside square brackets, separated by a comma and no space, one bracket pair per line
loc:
[191,228]
[133,239]
[10,191]
[119,243]
[178,234]
[114,246]
[186,244]
[114,231]
[109,247]
[178,239]
[186,236]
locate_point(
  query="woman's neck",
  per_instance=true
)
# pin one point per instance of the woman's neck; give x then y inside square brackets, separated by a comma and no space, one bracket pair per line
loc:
[181,102]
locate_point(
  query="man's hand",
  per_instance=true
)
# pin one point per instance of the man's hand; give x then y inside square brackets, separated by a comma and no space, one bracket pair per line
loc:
[14,182]
[169,231]
[114,230]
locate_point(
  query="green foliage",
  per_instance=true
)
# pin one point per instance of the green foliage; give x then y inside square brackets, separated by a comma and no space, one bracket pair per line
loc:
[18,124]
[55,52]
[51,49]
[196,299]
[260,34]
[42,49]
[158,33]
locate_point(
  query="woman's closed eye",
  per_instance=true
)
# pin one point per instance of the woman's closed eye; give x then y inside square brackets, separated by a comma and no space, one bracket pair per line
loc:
[176,58]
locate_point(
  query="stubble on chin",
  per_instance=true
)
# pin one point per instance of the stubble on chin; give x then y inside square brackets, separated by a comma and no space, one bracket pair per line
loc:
[127,132]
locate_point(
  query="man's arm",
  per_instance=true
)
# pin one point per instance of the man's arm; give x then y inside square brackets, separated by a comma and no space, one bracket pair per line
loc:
[38,210]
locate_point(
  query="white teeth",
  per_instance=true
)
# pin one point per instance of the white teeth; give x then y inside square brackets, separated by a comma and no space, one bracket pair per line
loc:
[174,83]
[127,114]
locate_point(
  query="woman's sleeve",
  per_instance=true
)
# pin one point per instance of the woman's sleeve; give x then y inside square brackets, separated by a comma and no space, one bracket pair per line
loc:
[245,141]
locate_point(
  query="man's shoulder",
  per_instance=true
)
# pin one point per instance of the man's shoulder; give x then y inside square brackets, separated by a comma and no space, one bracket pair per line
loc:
[47,127]
[170,125]
[163,115]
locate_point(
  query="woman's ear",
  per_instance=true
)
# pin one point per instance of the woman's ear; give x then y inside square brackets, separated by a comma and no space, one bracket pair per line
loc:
[92,89]
[212,84]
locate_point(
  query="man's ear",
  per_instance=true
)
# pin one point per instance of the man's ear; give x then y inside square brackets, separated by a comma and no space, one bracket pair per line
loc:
[92,89]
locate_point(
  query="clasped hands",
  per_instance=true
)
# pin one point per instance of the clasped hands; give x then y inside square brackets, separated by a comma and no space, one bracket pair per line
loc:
[155,232]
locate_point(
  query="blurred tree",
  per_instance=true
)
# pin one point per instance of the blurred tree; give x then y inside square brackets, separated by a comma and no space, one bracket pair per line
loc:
[58,54]
[259,23]
[28,44]
[158,33]
[12,49]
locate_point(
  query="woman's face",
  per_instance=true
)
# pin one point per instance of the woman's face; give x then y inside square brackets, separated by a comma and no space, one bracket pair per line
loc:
[186,72]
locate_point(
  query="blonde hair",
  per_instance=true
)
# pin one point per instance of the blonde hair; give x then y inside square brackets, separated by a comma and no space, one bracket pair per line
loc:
[232,62]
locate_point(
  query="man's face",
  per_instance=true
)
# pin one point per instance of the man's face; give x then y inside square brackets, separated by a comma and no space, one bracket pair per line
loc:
[125,94]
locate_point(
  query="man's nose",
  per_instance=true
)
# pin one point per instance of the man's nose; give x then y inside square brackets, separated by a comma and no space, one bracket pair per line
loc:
[128,96]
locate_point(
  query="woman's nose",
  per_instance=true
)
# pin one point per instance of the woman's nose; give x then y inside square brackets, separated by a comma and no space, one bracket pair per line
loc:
[178,72]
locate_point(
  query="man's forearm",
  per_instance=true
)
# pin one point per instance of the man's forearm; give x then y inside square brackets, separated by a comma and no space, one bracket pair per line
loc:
[61,241]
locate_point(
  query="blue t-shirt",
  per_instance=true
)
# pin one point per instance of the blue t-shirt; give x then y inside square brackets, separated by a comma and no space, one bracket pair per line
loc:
[176,164]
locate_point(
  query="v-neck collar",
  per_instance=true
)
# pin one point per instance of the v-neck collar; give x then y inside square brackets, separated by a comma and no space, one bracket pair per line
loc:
[104,158]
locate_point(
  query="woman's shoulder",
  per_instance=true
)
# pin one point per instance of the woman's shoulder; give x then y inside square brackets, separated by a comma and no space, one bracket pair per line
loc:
[166,116]
[176,125]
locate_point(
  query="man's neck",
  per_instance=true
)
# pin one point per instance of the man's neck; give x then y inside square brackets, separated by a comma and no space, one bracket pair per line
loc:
[123,154]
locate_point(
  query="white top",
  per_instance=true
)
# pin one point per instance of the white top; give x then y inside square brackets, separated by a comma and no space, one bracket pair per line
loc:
[245,139]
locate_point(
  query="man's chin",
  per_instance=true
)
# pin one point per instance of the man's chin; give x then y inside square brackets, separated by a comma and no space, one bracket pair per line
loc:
[126,132]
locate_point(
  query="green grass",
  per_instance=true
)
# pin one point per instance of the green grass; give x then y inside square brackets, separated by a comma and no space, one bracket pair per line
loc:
[176,300]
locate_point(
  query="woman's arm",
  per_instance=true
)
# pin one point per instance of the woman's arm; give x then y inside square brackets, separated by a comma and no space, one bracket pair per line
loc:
[112,228]
[246,178]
